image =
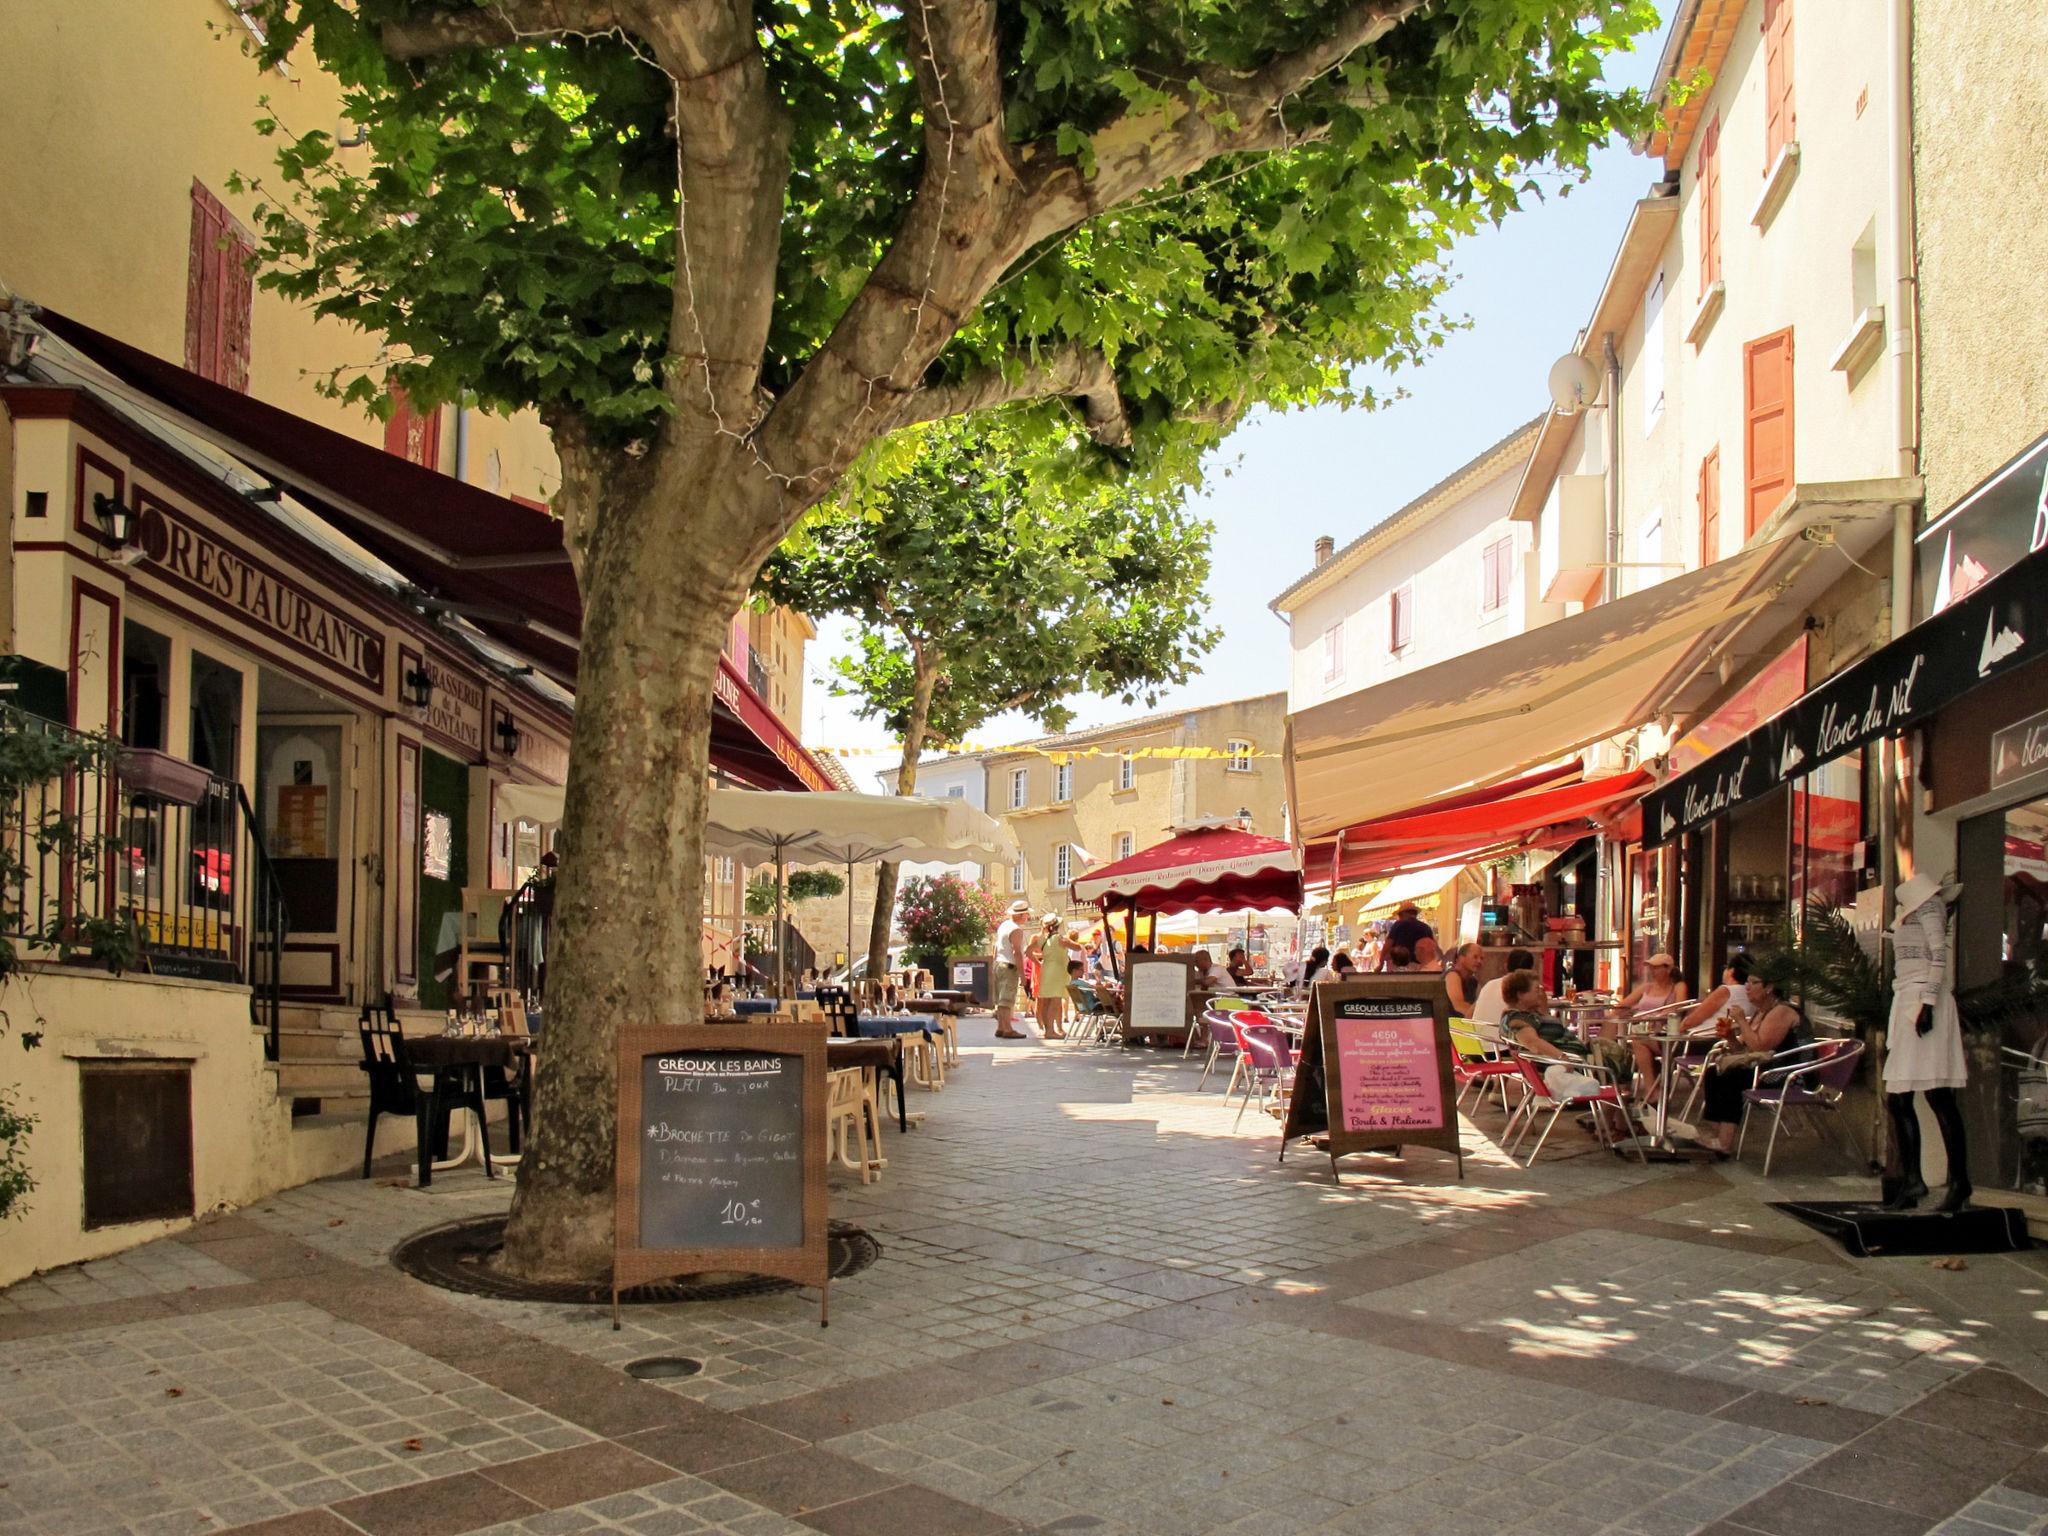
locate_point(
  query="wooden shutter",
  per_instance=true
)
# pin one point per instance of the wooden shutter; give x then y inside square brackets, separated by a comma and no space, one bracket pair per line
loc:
[219,290]
[1710,507]
[1781,125]
[416,436]
[238,293]
[1402,619]
[1766,426]
[1708,180]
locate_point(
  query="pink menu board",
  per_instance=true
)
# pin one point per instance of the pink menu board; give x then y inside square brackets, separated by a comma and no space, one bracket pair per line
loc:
[1387,1064]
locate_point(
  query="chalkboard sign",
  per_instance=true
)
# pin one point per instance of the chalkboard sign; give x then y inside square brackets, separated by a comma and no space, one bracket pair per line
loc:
[1157,990]
[1375,1071]
[721,1153]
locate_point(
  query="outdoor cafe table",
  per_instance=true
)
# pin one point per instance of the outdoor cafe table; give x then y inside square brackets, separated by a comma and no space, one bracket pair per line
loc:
[458,1063]
[882,1054]
[1666,1041]
[889,1026]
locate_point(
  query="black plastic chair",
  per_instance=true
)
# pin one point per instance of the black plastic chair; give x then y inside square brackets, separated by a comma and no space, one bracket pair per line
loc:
[841,1016]
[394,1081]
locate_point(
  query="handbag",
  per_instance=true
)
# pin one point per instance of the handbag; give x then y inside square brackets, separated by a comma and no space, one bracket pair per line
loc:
[2032,1112]
[1722,1059]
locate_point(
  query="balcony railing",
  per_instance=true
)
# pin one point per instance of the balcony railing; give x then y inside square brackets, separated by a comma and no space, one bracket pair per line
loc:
[121,873]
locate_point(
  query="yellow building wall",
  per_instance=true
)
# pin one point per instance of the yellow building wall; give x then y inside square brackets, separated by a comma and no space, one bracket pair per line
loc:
[109,111]
[1981,196]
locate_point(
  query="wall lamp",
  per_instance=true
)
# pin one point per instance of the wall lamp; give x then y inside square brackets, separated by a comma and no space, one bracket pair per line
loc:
[417,688]
[508,735]
[117,521]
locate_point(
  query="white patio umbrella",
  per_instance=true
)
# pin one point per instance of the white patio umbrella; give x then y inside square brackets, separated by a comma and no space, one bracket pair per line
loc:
[838,827]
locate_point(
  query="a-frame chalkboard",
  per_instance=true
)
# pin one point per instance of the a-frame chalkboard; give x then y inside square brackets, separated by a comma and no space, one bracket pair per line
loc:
[721,1154]
[1375,1071]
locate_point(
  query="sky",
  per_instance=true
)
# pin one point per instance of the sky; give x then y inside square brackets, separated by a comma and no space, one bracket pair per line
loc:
[1282,479]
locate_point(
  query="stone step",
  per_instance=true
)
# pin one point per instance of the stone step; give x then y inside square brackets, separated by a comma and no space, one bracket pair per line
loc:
[318,1079]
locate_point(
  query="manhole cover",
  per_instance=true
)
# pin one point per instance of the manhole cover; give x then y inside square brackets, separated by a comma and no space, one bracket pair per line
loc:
[664,1368]
[462,1257]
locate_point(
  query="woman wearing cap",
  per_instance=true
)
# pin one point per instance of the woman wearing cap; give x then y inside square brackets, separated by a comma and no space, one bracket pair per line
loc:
[1052,949]
[1656,992]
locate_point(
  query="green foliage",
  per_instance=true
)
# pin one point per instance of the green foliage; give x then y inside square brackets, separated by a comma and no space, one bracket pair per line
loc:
[1015,594]
[941,915]
[1827,965]
[509,225]
[802,885]
[15,1179]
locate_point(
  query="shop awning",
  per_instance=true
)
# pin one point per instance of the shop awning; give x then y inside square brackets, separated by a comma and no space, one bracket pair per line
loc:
[2000,626]
[1499,818]
[1419,886]
[494,562]
[1487,715]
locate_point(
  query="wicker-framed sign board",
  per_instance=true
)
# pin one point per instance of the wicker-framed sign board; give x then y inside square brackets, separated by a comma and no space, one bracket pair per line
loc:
[1159,993]
[1375,1071]
[721,1154]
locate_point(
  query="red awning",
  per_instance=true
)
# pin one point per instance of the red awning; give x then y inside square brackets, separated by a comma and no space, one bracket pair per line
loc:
[1199,869]
[1468,827]
[495,562]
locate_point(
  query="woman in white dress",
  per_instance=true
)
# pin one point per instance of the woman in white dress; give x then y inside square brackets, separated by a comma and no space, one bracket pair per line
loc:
[1924,1045]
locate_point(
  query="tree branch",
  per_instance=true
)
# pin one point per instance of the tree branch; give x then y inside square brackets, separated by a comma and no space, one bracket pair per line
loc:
[1077,372]
[1243,113]
[497,25]
[959,76]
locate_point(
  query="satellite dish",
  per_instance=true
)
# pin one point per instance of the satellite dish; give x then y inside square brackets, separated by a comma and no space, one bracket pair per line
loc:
[1573,383]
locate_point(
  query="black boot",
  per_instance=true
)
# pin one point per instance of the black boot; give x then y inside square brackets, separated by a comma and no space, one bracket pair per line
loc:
[1911,1189]
[1948,1114]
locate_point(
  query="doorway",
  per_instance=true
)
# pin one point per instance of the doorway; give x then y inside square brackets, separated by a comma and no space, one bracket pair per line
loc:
[306,806]
[444,871]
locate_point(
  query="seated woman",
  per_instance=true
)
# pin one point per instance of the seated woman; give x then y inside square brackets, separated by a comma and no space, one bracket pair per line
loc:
[1341,967]
[1727,1001]
[1398,957]
[1543,1036]
[1659,990]
[1772,1025]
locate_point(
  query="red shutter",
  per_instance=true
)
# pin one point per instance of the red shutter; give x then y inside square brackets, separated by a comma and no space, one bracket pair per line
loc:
[411,434]
[238,290]
[1780,124]
[219,287]
[1710,507]
[1766,426]
[1709,183]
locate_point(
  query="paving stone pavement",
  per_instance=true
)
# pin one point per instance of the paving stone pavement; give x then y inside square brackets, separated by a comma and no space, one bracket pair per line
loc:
[1099,1308]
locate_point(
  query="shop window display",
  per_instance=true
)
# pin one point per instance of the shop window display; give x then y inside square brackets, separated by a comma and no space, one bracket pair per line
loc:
[2002,971]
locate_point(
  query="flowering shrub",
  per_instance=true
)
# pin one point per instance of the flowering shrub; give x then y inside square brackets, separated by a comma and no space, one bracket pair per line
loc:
[941,915]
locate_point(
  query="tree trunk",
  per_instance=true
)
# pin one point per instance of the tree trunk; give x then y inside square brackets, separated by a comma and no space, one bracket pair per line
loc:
[660,590]
[925,679]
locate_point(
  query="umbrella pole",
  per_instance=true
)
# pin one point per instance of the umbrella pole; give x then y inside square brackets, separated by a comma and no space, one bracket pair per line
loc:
[1109,941]
[781,945]
[849,920]
[1152,932]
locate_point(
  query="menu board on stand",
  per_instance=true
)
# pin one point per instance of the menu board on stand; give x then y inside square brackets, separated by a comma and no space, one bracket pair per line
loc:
[1157,995]
[721,1155]
[1375,1070]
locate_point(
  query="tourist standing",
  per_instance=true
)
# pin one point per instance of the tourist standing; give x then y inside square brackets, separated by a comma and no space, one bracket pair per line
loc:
[1008,970]
[1408,929]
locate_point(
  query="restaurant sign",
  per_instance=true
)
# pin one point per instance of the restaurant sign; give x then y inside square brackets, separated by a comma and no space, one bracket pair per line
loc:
[455,709]
[191,558]
[2021,749]
[2002,625]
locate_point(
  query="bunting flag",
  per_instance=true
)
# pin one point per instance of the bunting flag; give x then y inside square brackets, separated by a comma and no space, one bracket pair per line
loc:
[1056,754]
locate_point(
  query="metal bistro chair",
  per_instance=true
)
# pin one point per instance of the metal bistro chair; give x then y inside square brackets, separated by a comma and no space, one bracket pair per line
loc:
[1475,1061]
[1223,1042]
[1216,1005]
[1269,1060]
[1812,1078]
[1599,1102]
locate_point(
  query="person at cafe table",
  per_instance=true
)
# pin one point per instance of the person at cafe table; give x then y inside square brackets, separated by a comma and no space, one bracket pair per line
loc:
[1543,1036]
[1772,1025]
[1461,981]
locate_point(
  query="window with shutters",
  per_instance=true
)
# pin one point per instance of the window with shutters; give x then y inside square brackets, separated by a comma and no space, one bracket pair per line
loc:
[1707,181]
[1781,124]
[1401,613]
[1496,567]
[1017,878]
[1710,507]
[1333,653]
[1020,788]
[1127,772]
[1766,427]
[1062,785]
[1126,844]
[413,435]
[220,284]
[1062,867]
[1237,755]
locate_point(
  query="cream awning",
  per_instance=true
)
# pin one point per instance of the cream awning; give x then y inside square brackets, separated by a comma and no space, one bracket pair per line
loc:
[1415,887]
[1490,713]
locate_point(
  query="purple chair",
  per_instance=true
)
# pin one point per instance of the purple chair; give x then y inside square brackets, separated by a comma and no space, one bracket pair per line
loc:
[1222,1045]
[1811,1078]
[1268,1061]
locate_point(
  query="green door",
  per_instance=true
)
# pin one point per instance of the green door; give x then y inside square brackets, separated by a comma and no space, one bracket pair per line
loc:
[444,870]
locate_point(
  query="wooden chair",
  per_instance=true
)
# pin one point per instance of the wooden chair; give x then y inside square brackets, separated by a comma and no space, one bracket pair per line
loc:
[849,1111]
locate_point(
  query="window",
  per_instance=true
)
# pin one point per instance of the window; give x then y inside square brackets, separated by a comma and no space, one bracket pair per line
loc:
[219,285]
[1766,427]
[1062,785]
[1781,124]
[1710,507]
[145,687]
[1653,355]
[1707,185]
[1020,788]
[1127,772]
[1333,653]
[1240,755]
[1062,867]
[1401,610]
[956,792]
[1126,845]
[413,435]
[1017,878]
[1496,566]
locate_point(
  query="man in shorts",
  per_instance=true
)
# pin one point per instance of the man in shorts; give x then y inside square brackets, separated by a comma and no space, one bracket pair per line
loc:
[1008,970]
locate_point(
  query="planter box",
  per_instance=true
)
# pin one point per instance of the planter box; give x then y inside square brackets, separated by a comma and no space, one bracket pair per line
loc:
[149,774]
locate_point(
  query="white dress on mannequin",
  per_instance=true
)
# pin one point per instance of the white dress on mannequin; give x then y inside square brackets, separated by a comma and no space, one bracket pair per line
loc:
[1915,1062]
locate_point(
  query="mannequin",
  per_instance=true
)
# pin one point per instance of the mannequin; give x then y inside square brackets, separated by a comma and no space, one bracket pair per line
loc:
[1924,1045]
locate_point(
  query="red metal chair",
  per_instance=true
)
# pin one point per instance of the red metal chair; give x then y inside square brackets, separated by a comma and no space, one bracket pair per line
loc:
[1539,1095]
[1269,1057]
